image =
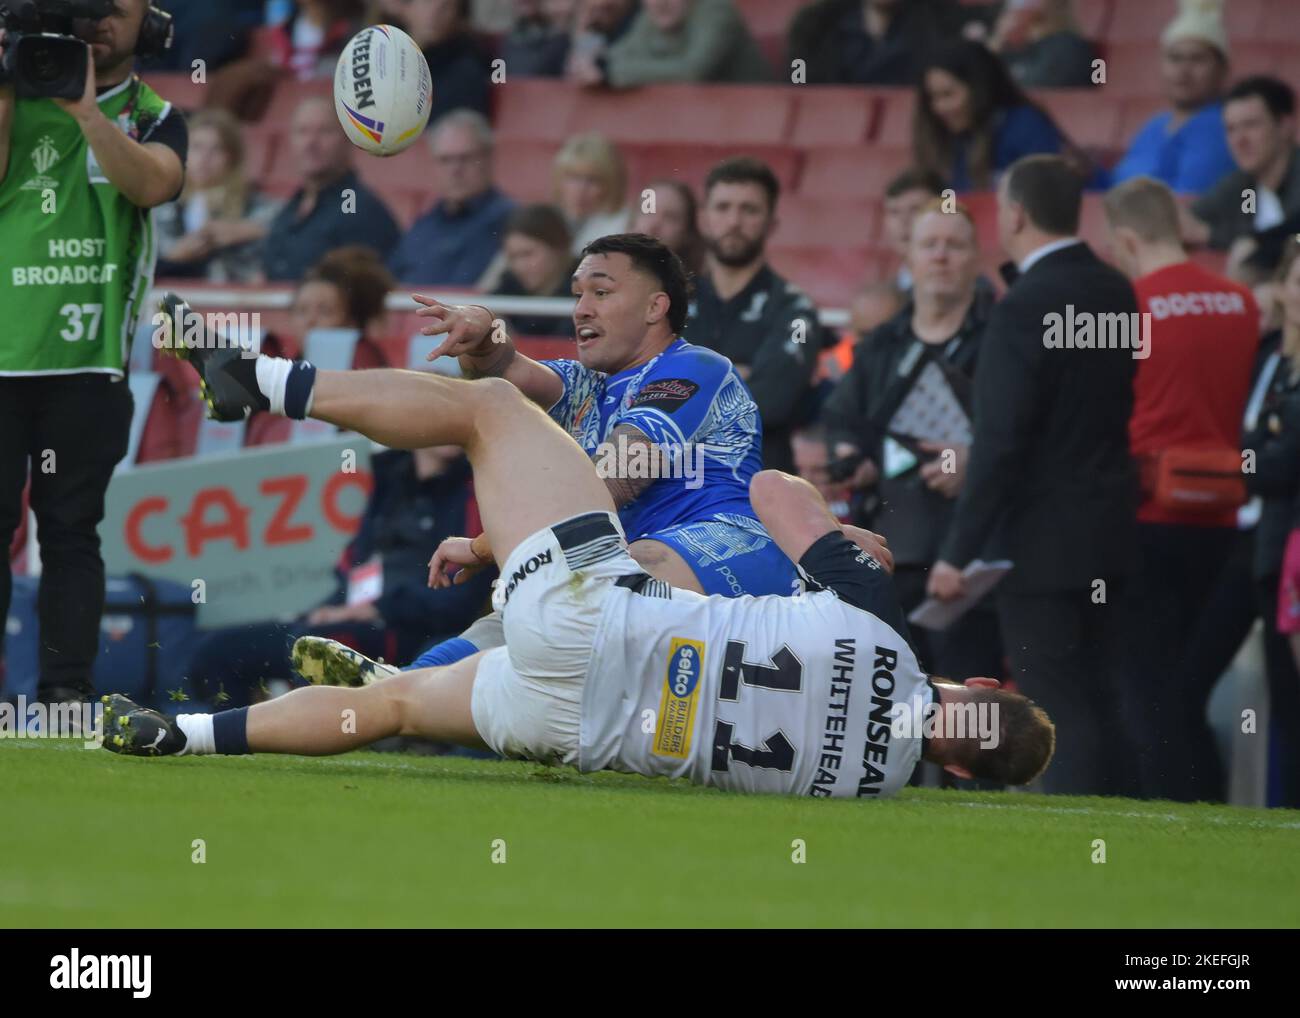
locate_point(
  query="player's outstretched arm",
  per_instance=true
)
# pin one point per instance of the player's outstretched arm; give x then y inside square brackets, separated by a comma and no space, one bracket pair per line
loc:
[484,348]
[796,516]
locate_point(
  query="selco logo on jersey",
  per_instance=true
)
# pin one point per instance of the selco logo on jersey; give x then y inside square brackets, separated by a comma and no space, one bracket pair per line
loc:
[677,705]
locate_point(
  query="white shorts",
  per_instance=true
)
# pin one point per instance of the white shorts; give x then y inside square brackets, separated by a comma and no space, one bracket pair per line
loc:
[527,699]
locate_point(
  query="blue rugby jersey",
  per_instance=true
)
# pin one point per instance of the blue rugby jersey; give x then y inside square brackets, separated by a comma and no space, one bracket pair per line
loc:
[690,401]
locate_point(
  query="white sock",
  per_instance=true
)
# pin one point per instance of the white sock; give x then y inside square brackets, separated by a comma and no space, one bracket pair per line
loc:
[199,739]
[272,374]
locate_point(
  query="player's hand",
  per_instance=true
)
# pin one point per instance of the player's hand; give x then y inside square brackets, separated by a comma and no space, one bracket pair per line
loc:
[456,560]
[946,582]
[468,329]
[873,544]
[946,482]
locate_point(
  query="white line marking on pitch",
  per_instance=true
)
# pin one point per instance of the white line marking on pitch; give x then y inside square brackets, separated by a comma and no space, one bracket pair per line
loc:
[1088,811]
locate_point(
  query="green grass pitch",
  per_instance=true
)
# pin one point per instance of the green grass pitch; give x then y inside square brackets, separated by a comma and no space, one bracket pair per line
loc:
[369,839]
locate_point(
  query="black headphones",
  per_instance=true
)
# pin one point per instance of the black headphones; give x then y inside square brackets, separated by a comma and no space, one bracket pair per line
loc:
[156,33]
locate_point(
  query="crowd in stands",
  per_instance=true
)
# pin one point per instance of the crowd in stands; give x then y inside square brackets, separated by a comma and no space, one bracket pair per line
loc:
[1198,212]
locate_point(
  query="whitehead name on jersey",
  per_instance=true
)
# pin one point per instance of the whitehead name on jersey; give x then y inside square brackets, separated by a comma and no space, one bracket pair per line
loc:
[751,694]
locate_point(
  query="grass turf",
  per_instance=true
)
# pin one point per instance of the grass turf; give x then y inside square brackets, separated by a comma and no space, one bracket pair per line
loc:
[369,839]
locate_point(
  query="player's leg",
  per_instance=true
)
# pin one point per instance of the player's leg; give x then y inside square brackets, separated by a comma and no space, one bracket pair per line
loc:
[432,703]
[665,563]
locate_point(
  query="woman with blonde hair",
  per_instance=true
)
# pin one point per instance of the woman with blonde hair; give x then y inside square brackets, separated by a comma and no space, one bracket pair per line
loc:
[212,229]
[590,185]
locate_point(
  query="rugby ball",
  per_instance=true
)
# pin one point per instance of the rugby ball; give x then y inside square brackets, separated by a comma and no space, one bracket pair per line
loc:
[382,90]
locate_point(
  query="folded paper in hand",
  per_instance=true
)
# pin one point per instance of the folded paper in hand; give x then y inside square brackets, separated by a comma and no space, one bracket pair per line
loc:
[981,577]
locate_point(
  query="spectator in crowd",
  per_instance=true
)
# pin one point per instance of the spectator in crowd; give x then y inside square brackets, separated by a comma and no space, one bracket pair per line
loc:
[1262,195]
[972,120]
[1185,145]
[213,230]
[1288,593]
[1275,442]
[382,604]
[871,307]
[905,196]
[680,40]
[539,263]
[1050,483]
[745,311]
[331,207]
[1040,42]
[868,42]
[307,45]
[812,462]
[455,241]
[589,181]
[1189,397]
[598,25]
[912,500]
[460,69]
[673,220]
[537,45]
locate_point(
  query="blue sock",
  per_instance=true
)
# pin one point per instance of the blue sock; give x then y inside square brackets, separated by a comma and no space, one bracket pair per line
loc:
[230,732]
[446,653]
[297,390]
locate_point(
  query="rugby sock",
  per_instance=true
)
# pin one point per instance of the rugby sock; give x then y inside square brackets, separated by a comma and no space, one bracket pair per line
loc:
[230,732]
[198,734]
[287,385]
[446,653]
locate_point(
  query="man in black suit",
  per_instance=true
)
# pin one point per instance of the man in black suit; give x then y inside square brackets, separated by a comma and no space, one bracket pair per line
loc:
[1050,483]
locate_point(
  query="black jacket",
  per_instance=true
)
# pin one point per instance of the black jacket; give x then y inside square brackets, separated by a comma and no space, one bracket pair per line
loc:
[914,518]
[1275,440]
[772,328]
[1050,484]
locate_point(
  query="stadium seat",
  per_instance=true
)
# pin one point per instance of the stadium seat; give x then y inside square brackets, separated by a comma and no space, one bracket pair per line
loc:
[769,17]
[741,114]
[861,172]
[288,93]
[833,116]
[523,169]
[179,89]
[896,107]
[830,276]
[1132,70]
[1139,22]
[261,142]
[534,109]
[807,220]
[691,163]
[1134,114]
[1090,116]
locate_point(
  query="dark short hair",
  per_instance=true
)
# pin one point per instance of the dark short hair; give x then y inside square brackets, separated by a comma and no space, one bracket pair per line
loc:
[1050,190]
[651,256]
[745,170]
[540,222]
[915,178]
[360,277]
[1277,95]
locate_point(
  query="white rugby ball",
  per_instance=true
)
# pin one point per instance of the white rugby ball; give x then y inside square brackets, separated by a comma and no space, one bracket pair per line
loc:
[382,90]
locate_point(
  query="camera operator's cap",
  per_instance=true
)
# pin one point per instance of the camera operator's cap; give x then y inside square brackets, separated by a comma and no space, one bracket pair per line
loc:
[1199,20]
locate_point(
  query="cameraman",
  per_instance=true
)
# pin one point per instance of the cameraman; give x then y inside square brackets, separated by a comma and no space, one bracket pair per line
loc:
[77,180]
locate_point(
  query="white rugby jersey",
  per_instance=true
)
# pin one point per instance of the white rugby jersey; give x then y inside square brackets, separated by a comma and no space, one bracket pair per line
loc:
[790,695]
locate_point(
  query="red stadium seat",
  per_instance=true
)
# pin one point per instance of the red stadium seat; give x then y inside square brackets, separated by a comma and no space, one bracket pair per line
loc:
[691,163]
[769,17]
[1090,116]
[807,220]
[1139,22]
[830,276]
[739,114]
[411,169]
[179,89]
[893,126]
[1132,70]
[833,116]
[523,169]
[861,172]
[535,109]
[1134,114]
[1262,58]
[288,94]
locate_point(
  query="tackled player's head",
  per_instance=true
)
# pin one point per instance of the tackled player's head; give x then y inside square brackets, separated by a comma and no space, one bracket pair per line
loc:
[1025,738]
[632,292]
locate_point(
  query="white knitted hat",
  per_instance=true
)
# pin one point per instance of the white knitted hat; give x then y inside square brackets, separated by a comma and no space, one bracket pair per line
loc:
[1201,20]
